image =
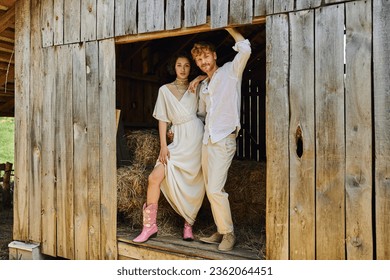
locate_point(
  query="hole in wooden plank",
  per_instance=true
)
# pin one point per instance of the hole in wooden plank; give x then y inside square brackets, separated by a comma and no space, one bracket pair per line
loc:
[299,141]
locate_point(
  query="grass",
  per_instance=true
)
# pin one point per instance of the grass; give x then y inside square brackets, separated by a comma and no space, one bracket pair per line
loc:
[6,140]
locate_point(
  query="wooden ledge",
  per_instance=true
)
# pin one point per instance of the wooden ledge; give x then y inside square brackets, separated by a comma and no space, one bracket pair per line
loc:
[172,248]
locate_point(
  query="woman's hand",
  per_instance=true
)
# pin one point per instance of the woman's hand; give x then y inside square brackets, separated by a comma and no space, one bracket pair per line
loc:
[164,155]
[195,82]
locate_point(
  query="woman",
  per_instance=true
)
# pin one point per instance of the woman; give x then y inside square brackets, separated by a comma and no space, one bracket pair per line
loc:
[178,169]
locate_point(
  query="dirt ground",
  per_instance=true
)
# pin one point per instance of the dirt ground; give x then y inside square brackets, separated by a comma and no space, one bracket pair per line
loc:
[6,221]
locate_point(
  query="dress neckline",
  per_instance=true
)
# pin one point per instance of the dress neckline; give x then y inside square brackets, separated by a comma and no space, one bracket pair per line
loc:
[174,96]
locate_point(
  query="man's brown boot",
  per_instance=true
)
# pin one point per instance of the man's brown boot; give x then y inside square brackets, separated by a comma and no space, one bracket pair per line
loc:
[228,241]
[215,238]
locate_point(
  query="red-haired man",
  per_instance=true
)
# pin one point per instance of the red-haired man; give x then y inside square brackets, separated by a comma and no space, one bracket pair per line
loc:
[220,102]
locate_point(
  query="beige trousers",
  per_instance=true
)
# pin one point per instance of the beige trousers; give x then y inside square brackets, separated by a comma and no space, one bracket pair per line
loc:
[216,160]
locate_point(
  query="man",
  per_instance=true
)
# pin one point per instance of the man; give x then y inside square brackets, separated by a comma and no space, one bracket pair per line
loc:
[220,101]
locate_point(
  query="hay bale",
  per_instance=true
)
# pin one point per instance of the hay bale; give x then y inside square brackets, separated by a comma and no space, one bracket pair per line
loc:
[246,188]
[144,146]
[245,185]
[132,184]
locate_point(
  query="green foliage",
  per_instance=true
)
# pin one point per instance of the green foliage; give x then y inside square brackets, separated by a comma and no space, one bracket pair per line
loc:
[7,140]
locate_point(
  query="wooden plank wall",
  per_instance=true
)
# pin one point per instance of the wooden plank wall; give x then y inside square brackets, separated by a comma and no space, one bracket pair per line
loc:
[302,136]
[65,196]
[334,174]
[330,135]
[88,20]
[381,50]
[277,117]
[358,129]
[321,173]
[22,120]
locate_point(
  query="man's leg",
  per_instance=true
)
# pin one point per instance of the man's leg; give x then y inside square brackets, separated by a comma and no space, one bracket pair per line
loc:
[216,160]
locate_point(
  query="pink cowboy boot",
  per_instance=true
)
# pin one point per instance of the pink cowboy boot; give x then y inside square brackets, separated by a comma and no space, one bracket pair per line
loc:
[187,232]
[149,229]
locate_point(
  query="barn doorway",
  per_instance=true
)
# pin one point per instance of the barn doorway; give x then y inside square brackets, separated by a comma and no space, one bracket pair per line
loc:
[141,70]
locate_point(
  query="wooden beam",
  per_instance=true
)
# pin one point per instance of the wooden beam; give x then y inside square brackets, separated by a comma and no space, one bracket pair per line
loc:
[6,47]
[3,66]
[7,19]
[7,3]
[6,59]
[173,33]
[5,95]
[7,36]
[4,78]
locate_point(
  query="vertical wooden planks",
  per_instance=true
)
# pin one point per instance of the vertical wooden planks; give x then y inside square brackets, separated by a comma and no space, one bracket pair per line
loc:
[22,119]
[150,15]
[281,6]
[120,17]
[269,7]
[302,136]
[105,19]
[58,22]
[125,17]
[358,128]
[195,12]
[108,148]
[219,10]
[173,15]
[35,137]
[88,20]
[240,12]
[93,140]
[64,153]
[259,8]
[330,134]
[72,21]
[307,4]
[381,58]
[49,215]
[277,118]
[80,151]
[254,120]
[47,22]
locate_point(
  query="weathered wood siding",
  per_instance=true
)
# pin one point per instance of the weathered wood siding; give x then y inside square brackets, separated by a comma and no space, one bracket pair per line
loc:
[66,22]
[329,120]
[358,128]
[22,120]
[336,183]
[381,58]
[277,219]
[66,135]
[302,136]
[327,129]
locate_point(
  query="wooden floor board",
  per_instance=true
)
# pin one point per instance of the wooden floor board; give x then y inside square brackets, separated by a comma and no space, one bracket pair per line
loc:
[168,247]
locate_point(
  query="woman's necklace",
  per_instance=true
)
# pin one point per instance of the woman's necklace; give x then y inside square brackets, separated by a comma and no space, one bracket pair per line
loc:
[181,86]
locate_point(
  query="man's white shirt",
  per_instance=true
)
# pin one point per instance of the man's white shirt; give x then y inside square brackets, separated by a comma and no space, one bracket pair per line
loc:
[220,97]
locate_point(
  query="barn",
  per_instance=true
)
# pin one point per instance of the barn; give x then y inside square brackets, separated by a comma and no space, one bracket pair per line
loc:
[315,110]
